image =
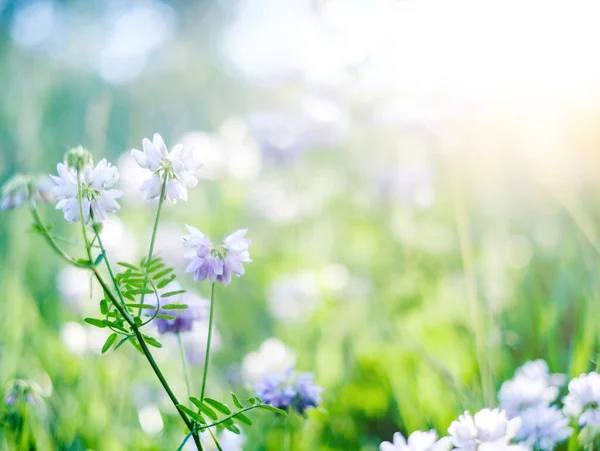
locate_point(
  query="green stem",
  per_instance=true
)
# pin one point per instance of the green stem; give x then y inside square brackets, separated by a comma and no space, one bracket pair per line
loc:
[154,230]
[208,341]
[184,365]
[52,242]
[232,415]
[81,218]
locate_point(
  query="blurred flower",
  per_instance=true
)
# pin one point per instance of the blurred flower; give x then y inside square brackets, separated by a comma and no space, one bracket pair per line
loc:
[294,296]
[184,319]
[77,287]
[120,242]
[131,177]
[522,393]
[227,439]
[194,342]
[289,389]
[216,263]
[177,165]
[96,197]
[583,399]
[21,390]
[82,339]
[543,427]
[24,188]
[150,419]
[538,369]
[272,356]
[417,441]
[488,426]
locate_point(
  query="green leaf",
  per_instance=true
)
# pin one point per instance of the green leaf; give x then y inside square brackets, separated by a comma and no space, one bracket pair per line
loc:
[122,341]
[115,325]
[236,401]
[128,265]
[95,322]
[138,321]
[174,306]
[99,258]
[169,317]
[141,291]
[136,282]
[163,283]
[164,272]
[233,428]
[109,342]
[83,262]
[218,405]
[143,306]
[155,267]
[210,413]
[103,307]
[137,346]
[243,419]
[273,409]
[172,293]
[152,341]
[196,416]
[253,400]
[128,296]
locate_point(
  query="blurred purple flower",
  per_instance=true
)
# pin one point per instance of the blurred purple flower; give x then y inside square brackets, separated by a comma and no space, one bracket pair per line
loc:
[289,389]
[216,263]
[184,319]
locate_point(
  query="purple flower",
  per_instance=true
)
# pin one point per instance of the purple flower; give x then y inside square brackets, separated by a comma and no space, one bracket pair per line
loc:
[289,389]
[216,263]
[23,391]
[184,319]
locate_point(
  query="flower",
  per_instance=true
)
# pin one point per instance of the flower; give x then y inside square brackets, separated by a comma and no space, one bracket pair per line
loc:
[177,165]
[184,319]
[538,369]
[417,441]
[216,263]
[21,390]
[24,188]
[97,199]
[289,389]
[272,356]
[522,393]
[583,399]
[543,427]
[487,426]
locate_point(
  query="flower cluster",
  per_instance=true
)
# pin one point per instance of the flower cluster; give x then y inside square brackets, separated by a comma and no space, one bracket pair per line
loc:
[93,184]
[583,400]
[24,188]
[289,390]
[529,396]
[417,441]
[216,263]
[176,166]
[183,319]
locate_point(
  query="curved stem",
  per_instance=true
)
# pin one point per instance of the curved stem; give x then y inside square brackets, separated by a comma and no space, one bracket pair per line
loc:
[208,341]
[154,230]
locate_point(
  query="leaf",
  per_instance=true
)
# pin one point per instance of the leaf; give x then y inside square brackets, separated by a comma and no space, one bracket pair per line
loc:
[109,342]
[218,405]
[138,321]
[122,341]
[103,307]
[128,296]
[172,293]
[95,322]
[161,274]
[210,413]
[152,341]
[273,409]
[169,317]
[253,400]
[233,428]
[191,413]
[127,265]
[136,282]
[243,419]
[115,325]
[143,306]
[155,267]
[83,262]
[236,401]
[174,306]
[99,258]
[141,291]
[163,283]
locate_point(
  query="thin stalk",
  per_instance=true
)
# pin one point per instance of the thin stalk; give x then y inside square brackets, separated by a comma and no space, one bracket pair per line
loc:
[184,365]
[81,218]
[154,230]
[109,267]
[208,341]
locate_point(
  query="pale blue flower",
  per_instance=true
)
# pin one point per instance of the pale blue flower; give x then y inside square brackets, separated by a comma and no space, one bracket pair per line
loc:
[289,390]
[543,427]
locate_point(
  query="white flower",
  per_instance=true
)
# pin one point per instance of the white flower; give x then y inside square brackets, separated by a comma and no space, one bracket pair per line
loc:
[522,393]
[584,393]
[96,197]
[538,369]
[417,441]
[273,356]
[25,188]
[487,426]
[177,165]
[543,427]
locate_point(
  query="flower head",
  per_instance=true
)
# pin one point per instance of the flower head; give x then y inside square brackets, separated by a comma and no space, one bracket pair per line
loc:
[487,426]
[183,319]
[417,441]
[583,399]
[543,427]
[21,390]
[216,263]
[24,188]
[289,389]
[95,183]
[177,165]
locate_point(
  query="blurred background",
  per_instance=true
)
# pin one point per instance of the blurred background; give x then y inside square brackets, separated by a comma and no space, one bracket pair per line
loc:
[420,181]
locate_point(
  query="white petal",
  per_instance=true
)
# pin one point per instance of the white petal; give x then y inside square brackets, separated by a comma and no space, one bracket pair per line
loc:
[140,158]
[153,157]
[160,145]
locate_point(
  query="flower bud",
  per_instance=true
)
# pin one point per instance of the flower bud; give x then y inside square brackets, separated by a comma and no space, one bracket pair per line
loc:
[77,158]
[97,226]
